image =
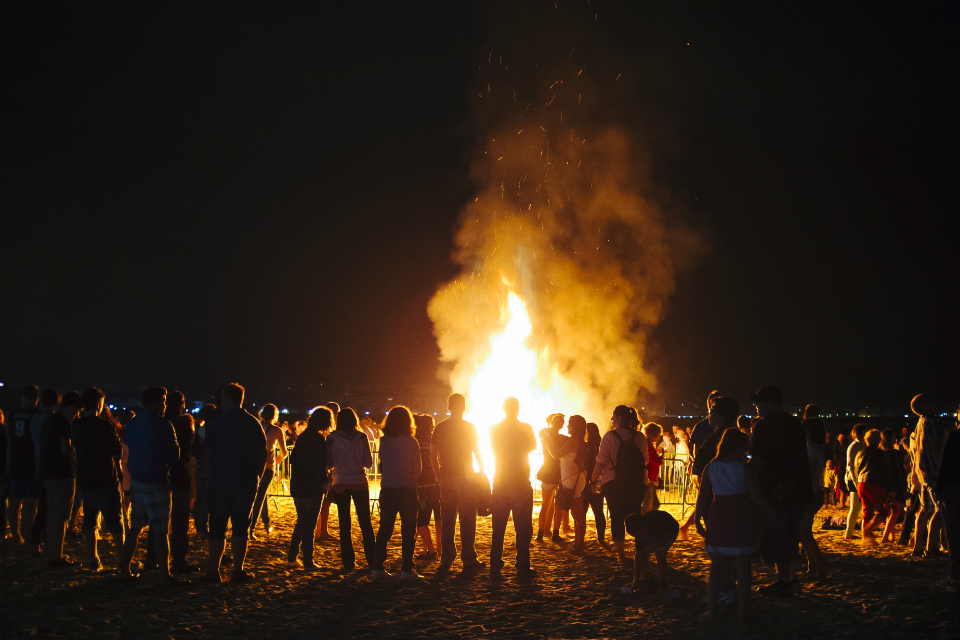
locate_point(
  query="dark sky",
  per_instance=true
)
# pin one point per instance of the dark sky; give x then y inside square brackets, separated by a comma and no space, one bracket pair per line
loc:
[196,193]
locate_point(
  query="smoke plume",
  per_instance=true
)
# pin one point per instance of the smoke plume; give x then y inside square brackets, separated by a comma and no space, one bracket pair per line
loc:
[567,215]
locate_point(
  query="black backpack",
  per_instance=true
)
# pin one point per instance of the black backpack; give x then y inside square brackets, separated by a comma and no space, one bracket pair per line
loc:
[630,469]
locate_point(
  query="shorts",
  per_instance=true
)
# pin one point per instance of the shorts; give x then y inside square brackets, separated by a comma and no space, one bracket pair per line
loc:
[101,500]
[151,505]
[815,503]
[928,503]
[429,504]
[59,498]
[235,506]
[24,488]
[781,541]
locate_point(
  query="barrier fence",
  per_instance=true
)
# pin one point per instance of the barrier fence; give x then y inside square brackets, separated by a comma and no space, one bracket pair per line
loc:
[673,482]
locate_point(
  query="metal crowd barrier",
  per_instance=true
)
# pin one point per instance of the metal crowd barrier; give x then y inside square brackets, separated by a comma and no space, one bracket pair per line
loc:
[673,481]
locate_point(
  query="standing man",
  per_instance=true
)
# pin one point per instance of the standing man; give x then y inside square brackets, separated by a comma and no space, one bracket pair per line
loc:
[454,441]
[235,447]
[49,403]
[926,448]
[779,456]
[98,460]
[512,442]
[153,452]
[180,488]
[269,417]
[703,429]
[59,470]
[21,466]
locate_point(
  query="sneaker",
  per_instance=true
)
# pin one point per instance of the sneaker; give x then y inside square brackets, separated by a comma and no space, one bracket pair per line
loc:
[379,575]
[777,587]
[410,576]
[293,564]
[61,562]
[539,535]
[556,537]
[474,566]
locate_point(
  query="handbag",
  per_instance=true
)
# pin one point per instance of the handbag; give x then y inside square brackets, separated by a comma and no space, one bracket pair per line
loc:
[564,499]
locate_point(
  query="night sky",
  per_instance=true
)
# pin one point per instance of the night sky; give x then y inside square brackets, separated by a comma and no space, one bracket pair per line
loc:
[198,193]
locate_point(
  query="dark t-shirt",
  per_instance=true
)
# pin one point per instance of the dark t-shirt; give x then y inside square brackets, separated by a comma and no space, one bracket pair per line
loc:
[659,524]
[549,471]
[54,464]
[780,443]
[98,448]
[706,452]
[238,450]
[949,473]
[20,445]
[511,442]
[182,426]
[456,439]
[701,431]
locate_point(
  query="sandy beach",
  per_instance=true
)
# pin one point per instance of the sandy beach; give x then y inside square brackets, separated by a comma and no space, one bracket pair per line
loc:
[878,592]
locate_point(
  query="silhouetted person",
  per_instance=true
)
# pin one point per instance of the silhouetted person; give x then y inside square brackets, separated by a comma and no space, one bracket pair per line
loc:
[201,505]
[592,497]
[857,445]
[59,470]
[779,455]
[624,494]
[926,447]
[323,532]
[348,456]
[948,491]
[428,491]
[236,450]
[549,476]
[455,442]
[816,437]
[153,452]
[98,454]
[308,481]
[180,489]
[400,466]
[21,467]
[654,533]
[512,442]
[703,429]
[572,453]
[276,451]
[49,403]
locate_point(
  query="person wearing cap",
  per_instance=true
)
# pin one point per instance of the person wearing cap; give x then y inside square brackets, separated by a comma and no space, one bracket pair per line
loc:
[779,456]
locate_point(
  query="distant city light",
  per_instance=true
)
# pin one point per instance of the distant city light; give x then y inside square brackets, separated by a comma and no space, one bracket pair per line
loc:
[284,410]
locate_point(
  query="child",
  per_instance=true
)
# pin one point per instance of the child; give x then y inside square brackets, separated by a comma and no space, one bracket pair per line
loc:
[654,531]
[729,494]
[830,484]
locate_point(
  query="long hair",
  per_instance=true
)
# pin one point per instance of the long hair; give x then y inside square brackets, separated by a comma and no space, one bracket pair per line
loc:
[628,417]
[577,428]
[732,441]
[399,422]
[347,420]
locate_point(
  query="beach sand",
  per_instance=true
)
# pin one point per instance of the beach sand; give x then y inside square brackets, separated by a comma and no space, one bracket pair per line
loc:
[873,591]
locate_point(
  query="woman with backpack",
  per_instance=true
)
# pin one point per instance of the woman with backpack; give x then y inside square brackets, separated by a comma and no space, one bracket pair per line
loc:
[622,469]
[308,478]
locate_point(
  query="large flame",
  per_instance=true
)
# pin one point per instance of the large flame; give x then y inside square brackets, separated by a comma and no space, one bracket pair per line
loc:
[514,369]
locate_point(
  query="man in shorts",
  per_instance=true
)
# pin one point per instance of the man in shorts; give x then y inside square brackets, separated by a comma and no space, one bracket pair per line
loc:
[655,532]
[154,451]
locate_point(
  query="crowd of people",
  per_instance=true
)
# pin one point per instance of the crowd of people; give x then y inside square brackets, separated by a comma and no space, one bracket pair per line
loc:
[760,481]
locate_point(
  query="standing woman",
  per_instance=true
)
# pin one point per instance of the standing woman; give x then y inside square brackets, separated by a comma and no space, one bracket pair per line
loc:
[308,479]
[572,453]
[622,497]
[428,491]
[400,466]
[348,456]
[548,475]
[591,492]
[897,478]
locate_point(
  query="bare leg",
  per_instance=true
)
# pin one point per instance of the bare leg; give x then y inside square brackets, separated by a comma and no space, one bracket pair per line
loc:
[437,528]
[129,548]
[546,510]
[716,578]
[888,530]
[161,548]
[216,555]
[13,519]
[580,525]
[239,547]
[323,533]
[425,537]
[815,563]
